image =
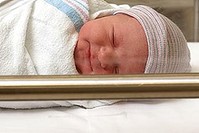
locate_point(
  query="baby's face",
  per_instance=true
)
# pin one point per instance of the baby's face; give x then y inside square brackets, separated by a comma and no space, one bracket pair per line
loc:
[111,45]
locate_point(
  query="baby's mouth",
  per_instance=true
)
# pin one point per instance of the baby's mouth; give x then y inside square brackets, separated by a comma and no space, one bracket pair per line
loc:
[83,59]
[90,58]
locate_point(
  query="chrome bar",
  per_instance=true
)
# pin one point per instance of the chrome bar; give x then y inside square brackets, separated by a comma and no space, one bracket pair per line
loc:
[99,87]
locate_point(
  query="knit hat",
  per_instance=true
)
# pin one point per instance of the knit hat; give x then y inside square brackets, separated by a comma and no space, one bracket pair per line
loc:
[167,47]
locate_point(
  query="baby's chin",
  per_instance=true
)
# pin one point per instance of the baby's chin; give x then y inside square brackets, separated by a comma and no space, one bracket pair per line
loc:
[92,73]
[86,73]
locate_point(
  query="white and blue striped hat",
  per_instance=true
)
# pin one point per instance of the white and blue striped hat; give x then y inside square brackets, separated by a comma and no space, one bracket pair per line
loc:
[167,47]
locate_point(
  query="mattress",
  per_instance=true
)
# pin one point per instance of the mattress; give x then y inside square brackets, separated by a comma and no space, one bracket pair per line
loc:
[138,116]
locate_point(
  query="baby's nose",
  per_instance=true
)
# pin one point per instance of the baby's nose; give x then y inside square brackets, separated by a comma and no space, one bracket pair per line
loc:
[107,57]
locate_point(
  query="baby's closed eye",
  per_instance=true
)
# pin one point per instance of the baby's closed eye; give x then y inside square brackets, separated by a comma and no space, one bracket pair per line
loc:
[113,38]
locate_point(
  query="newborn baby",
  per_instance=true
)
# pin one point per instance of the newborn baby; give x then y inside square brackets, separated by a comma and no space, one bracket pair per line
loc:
[61,37]
[138,40]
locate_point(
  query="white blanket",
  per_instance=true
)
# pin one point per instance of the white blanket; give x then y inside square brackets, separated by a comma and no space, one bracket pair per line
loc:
[14,56]
[33,42]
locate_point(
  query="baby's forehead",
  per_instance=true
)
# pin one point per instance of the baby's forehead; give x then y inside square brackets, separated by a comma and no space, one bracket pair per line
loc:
[120,21]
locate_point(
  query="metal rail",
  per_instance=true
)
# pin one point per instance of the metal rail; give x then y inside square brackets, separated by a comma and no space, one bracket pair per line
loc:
[99,87]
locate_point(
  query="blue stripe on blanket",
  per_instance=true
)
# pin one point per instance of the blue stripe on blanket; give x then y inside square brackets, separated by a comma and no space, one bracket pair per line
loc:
[69,11]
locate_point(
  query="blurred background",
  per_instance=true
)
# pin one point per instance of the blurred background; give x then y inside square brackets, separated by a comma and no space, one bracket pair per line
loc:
[183,12]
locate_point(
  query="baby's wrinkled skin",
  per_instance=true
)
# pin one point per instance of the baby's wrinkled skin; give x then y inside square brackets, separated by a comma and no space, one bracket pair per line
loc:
[111,45]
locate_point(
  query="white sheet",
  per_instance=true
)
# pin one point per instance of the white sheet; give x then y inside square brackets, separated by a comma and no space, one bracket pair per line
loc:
[137,116]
